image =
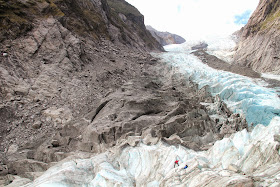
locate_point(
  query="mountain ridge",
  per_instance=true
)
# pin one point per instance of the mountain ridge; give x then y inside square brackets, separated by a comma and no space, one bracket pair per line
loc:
[165,38]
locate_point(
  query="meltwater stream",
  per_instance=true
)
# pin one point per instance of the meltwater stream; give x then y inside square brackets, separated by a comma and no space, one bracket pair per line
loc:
[244,158]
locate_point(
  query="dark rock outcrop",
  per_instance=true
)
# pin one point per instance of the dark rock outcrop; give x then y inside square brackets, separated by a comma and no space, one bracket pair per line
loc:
[165,38]
[259,45]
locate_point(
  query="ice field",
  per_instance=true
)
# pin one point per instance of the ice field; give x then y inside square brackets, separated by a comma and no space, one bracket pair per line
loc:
[245,158]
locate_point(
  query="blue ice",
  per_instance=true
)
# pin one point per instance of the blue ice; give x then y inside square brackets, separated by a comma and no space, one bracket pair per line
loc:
[242,94]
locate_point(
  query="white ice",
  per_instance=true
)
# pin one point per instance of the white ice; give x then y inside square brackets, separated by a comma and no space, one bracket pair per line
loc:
[222,47]
[252,153]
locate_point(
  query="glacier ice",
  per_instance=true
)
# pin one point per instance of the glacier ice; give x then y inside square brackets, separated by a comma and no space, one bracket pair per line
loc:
[152,165]
[242,94]
[222,47]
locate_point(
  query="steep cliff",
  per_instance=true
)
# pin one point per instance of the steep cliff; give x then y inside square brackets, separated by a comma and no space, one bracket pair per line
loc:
[259,45]
[120,22]
[165,38]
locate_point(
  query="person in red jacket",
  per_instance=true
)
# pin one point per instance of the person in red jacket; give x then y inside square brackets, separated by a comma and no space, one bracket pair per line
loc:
[176,162]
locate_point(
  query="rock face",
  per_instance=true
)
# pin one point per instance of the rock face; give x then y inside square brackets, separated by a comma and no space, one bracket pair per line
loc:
[165,38]
[94,19]
[259,46]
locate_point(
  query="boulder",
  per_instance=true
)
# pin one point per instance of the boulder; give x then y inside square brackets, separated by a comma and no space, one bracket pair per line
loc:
[37,125]
[19,167]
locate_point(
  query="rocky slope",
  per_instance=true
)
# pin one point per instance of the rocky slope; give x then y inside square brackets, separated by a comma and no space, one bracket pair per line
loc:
[59,59]
[165,38]
[259,46]
[51,76]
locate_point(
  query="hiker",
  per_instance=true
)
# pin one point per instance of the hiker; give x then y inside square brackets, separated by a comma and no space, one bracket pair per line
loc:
[176,162]
[186,166]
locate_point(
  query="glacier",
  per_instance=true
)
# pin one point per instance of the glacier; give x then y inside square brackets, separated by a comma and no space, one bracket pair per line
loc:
[242,159]
[243,95]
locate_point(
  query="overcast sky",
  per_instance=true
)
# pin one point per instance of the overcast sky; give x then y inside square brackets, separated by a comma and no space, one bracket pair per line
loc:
[196,19]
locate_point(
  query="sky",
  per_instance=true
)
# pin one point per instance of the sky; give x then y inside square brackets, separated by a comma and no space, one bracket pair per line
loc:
[196,19]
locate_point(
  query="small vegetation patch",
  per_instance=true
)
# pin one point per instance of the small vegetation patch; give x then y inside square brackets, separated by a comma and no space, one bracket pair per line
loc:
[270,20]
[54,10]
[123,7]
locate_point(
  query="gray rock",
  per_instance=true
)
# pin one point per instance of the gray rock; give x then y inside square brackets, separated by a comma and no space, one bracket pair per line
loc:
[26,165]
[37,125]
[277,138]
[154,59]
[173,140]
[16,181]
[201,45]
[55,143]
[3,170]
[22,90]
